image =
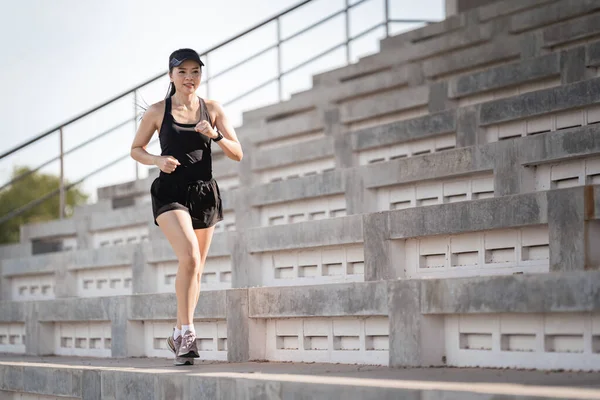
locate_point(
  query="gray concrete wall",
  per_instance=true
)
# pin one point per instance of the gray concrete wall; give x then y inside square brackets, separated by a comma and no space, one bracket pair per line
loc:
[430,70]
[417,307]
[408,303]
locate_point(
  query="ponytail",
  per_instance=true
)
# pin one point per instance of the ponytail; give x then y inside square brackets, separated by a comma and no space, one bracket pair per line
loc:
[170,90]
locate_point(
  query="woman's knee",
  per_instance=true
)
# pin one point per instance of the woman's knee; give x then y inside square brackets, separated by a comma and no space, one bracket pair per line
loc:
[190,261]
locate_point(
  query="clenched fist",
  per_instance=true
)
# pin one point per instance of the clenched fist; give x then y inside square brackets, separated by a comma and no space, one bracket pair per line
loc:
[204,128]
[166,164]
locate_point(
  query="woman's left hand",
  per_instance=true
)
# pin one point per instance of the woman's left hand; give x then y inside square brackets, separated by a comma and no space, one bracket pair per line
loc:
[204,128]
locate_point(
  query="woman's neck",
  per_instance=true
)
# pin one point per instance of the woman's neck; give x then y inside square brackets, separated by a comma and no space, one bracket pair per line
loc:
[186,101]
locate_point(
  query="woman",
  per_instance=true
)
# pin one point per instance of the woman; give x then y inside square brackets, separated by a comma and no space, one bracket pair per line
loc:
[185,198]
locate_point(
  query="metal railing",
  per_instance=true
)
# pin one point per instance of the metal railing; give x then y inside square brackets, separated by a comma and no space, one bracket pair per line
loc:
[61,191]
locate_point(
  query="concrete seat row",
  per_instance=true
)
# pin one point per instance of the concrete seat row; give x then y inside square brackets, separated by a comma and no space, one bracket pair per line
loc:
[542,321]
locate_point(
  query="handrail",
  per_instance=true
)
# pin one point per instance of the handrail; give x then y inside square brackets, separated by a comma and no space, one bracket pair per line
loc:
[134,90]
[209,78]
[130,91]
[79,146]
[302,64]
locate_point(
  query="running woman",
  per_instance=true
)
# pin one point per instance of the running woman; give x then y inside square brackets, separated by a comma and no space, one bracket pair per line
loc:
[186,201]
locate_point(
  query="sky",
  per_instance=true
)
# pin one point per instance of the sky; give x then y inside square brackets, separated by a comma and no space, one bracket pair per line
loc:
[61,58]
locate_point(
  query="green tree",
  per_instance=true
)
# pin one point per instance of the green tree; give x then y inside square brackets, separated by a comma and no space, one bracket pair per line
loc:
[29,189]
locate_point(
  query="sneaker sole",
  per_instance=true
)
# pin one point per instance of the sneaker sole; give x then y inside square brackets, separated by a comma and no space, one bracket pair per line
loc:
[178,360]
[187,361]
[192,354]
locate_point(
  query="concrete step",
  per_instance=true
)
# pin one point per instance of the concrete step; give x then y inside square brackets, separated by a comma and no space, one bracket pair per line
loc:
[144,378]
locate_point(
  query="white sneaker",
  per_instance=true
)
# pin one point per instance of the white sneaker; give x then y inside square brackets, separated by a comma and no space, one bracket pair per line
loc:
[188,346]
[174,345]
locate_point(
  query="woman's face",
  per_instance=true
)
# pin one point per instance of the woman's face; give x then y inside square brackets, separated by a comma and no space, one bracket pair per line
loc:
[186,77]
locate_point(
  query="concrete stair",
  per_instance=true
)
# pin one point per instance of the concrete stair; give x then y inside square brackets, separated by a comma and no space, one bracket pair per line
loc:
[156,379]
[434,205]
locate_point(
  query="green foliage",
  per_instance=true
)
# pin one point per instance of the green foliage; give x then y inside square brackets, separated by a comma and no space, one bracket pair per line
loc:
[29,189]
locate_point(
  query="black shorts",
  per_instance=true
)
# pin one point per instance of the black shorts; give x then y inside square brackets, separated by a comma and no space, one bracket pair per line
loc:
[201,199]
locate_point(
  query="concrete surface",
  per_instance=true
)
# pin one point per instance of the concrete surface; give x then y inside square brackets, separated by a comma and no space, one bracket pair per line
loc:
[158,379]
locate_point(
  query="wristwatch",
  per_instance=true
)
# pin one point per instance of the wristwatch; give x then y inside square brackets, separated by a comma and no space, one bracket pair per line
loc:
[219,137]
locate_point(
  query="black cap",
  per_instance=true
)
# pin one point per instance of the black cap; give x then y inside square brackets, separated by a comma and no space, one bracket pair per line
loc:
[179,56]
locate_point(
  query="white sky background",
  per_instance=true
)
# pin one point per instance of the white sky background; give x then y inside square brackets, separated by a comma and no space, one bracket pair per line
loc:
[60,58]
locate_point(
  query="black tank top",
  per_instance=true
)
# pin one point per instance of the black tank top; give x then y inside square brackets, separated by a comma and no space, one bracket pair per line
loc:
[190,148]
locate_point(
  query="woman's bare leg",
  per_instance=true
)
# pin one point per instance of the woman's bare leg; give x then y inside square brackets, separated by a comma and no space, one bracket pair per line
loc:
[204,238]
[177,227]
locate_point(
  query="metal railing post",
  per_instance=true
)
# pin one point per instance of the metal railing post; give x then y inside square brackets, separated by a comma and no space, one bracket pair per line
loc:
[347,31]
[387,17]
[61,186]
[135,128]
[280,88]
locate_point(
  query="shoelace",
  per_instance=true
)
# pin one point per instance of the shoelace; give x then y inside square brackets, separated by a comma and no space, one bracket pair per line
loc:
[189,339]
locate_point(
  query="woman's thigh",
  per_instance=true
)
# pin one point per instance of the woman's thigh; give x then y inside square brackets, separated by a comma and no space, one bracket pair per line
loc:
[176,225]
[204,239]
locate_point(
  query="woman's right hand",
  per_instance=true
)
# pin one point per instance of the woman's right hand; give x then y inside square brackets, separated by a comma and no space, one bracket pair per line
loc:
[166,164]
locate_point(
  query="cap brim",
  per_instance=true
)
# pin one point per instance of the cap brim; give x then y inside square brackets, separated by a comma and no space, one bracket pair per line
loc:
[177,62]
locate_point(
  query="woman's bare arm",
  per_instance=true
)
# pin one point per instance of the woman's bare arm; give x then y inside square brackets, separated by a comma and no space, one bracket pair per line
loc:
[147,127]
[143,135]
[230,143]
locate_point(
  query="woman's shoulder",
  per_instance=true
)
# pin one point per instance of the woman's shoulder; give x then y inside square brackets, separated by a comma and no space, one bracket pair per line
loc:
[155,110]
[213,105]
[158,107]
